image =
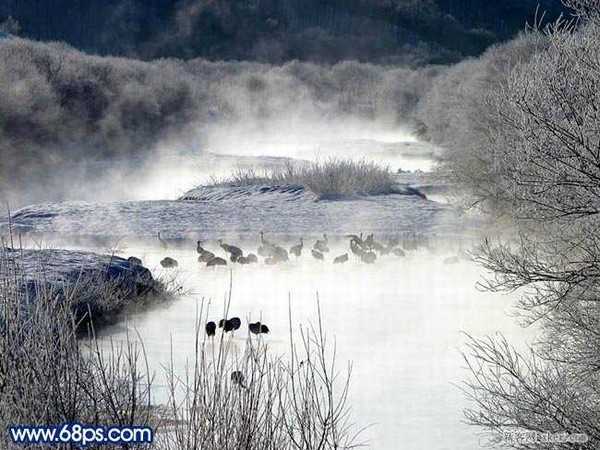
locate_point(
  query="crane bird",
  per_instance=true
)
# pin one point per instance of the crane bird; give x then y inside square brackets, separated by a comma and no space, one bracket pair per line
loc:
[230,324]
[234,251]
[357,239]
[371,244]
[211,328]
[317,254]
[296,250]
[258,328]
[356,248]
[321,244]
[237,378]
[368,257]
[278,255]
[250,259]
[216,261]
[341,259]
[206,256]
[267,248]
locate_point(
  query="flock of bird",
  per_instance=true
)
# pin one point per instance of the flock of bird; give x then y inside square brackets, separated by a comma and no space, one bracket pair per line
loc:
[229,325]
[233,324]
[364,248]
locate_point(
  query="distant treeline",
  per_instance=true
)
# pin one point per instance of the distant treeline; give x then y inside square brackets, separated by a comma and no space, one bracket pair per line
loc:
[385,31]
[63,107]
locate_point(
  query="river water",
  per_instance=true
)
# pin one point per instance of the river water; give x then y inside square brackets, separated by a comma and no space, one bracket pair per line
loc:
[399,321]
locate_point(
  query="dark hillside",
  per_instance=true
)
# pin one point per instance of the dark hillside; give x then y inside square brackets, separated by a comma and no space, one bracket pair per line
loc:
[403,31]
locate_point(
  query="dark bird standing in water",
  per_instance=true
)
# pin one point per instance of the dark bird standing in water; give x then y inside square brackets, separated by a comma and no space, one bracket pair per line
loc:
[250,259]
[317,255]
[234,251]
[230,324]
[266,248]
[168,263]
[356,248]
[321,244]
[216,261]
[211,328]
[368,257]
[341,259]
[357,239]
[237,377]
[296,250]
[281,254]
[278,255]
[206,256]
[258,328]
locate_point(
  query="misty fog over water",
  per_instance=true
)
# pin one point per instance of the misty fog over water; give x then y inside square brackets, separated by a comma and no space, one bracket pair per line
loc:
[398,322]
[134,157]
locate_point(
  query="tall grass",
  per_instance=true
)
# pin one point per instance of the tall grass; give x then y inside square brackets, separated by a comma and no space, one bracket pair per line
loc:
[297,401]
[328,179]
[49,376]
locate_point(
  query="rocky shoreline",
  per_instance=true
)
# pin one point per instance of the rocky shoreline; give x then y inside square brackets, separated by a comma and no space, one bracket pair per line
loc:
[97,286]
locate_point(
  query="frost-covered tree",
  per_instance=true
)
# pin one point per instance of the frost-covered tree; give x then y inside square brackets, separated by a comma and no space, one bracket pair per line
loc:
[544,155]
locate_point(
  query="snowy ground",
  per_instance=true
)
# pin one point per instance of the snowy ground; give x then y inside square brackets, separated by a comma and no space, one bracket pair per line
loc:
[227,212]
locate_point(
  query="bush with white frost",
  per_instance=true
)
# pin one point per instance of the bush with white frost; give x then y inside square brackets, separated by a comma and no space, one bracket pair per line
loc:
[545,160]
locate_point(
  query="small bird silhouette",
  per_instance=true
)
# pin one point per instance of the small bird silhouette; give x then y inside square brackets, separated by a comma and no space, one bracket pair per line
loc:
[321,244]
[206,256]
[317,254]
[230,324]
[296,250]
[236,323]
[234,252]
[211,328]
[368,257]
[216,261]
[341,259]
[169,263]
[258,328]
[237,377]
